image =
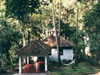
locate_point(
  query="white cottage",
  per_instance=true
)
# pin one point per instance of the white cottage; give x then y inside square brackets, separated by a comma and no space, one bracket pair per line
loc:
[66,49]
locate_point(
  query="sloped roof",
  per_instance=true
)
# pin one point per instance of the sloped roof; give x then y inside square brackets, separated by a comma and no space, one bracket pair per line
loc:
[51,41]
[34,48]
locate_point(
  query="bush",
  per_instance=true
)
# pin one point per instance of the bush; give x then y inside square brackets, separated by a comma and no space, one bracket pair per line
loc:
[2,70]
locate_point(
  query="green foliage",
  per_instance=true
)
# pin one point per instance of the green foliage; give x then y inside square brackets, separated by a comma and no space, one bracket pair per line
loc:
[92,27]
[20,8]
[83,1]
[9,37]
[81,69]
[46,2]
[66,30]
[92,16]
[79,48]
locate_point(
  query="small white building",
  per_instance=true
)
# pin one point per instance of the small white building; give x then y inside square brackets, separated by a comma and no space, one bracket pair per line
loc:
[66,49]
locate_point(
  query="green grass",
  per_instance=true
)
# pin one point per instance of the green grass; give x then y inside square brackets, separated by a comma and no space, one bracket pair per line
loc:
[82,68]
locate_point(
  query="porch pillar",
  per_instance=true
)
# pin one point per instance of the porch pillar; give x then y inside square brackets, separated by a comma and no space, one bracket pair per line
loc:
[20,65]
[27,60]
[46,67]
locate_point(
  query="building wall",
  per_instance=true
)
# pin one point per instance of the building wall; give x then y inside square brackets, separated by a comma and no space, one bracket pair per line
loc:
[67,55]
[53,56]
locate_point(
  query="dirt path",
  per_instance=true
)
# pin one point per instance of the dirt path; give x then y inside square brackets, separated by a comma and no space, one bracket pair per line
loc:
[32,74]
[98,73]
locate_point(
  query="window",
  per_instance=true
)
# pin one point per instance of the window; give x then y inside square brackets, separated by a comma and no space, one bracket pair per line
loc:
[61,51]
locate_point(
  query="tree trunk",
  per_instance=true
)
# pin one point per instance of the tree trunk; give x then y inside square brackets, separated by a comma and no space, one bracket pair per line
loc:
[23,33]
[29,36]
[77,21]
[24,41]
[76,53]
[59,59]
[53,12]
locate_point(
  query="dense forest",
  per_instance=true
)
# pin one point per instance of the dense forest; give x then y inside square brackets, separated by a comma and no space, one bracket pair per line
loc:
[22,21]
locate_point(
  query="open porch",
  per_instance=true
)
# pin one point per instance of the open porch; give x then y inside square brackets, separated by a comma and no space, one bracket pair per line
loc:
[35,49]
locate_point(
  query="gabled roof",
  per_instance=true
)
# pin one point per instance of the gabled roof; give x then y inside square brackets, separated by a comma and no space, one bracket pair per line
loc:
[51,41]
[34,48]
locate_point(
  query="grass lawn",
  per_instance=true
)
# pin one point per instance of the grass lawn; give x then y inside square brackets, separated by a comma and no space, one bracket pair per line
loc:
[81,69]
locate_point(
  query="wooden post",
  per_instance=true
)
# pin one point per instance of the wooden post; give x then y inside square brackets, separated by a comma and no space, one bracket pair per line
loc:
[27,60]
[46,67]
[20,65]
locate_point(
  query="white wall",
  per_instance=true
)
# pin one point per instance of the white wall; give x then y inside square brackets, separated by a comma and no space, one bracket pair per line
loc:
[67,55]
[53,56]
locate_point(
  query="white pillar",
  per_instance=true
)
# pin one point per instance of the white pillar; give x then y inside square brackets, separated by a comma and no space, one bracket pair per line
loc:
[20,65]
[27,60]
[46,67]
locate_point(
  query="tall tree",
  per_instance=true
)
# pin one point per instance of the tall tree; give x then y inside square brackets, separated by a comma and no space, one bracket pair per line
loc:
[9,38]
[20,9]
[92,27]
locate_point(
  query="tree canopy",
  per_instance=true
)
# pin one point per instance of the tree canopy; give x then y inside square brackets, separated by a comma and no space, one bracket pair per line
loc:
[20,8]
[92,27]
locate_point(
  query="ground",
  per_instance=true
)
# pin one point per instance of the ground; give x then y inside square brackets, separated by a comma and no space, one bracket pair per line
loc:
[81,69]
[32,74]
